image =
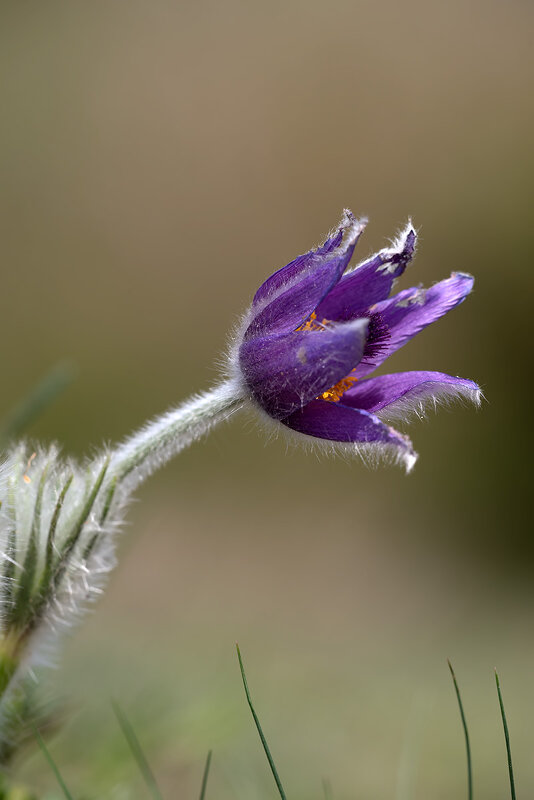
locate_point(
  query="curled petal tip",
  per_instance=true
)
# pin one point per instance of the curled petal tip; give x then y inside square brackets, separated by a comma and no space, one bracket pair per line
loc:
[406,240]
[476,395]
[349,217]
[463,276]
[410,460]
[405,454]
[464,281]
[352,227]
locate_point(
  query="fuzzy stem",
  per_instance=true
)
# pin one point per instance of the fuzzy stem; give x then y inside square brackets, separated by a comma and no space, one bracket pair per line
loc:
[158,441]
[83,510]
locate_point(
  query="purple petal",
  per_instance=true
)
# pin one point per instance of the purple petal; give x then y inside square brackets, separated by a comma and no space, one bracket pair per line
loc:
[339,423]
[410,311]
[396,395]
[286,275]
[284,372]
[296,298]
[370,281]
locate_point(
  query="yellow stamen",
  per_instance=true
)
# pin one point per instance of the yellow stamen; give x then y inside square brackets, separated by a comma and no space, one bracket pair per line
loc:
[311,324]
[335,393]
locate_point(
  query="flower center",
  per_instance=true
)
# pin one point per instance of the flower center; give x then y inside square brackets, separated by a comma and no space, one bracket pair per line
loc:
[335,393]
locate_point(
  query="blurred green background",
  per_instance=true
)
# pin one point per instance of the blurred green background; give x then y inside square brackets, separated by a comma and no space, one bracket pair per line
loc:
[158,160]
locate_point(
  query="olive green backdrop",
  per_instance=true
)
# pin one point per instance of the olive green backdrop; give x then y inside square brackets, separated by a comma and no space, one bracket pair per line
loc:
[158,160]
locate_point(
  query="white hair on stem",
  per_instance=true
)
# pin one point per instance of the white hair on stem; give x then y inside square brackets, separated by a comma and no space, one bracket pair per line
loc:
[162,438]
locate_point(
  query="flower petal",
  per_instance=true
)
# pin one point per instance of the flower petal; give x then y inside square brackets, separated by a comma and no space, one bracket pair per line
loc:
[396,395]
[339,423]
[283,373]
[409,311]
[301,286]
[369,282]
[287,275]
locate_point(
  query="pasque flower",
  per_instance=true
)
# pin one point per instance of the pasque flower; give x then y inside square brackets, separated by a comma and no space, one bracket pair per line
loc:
[313,334]
[316,330]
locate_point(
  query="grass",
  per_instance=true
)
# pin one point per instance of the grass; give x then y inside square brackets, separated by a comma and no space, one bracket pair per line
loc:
[466,734]
[137,752]
[42,395]
[152,786]
[259,728]
[53,765]
[205,776]
[506,738]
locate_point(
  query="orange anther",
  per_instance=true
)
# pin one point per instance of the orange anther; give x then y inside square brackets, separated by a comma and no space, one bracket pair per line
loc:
[335,393]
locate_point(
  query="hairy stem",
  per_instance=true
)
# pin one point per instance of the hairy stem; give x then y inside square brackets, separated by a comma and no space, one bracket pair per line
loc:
[158,441]
[37,584]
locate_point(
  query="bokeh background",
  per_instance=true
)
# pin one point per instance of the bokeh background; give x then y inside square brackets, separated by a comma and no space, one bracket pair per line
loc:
[158,160]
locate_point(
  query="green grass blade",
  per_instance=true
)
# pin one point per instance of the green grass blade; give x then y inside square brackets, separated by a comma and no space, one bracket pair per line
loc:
[258,726]
[38,399]
[139,756]
[52,764]
[327,789]
[205,776]
[506,738]
[466,734]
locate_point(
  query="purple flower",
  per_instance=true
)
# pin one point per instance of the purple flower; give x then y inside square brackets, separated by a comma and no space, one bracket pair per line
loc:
[316,330]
